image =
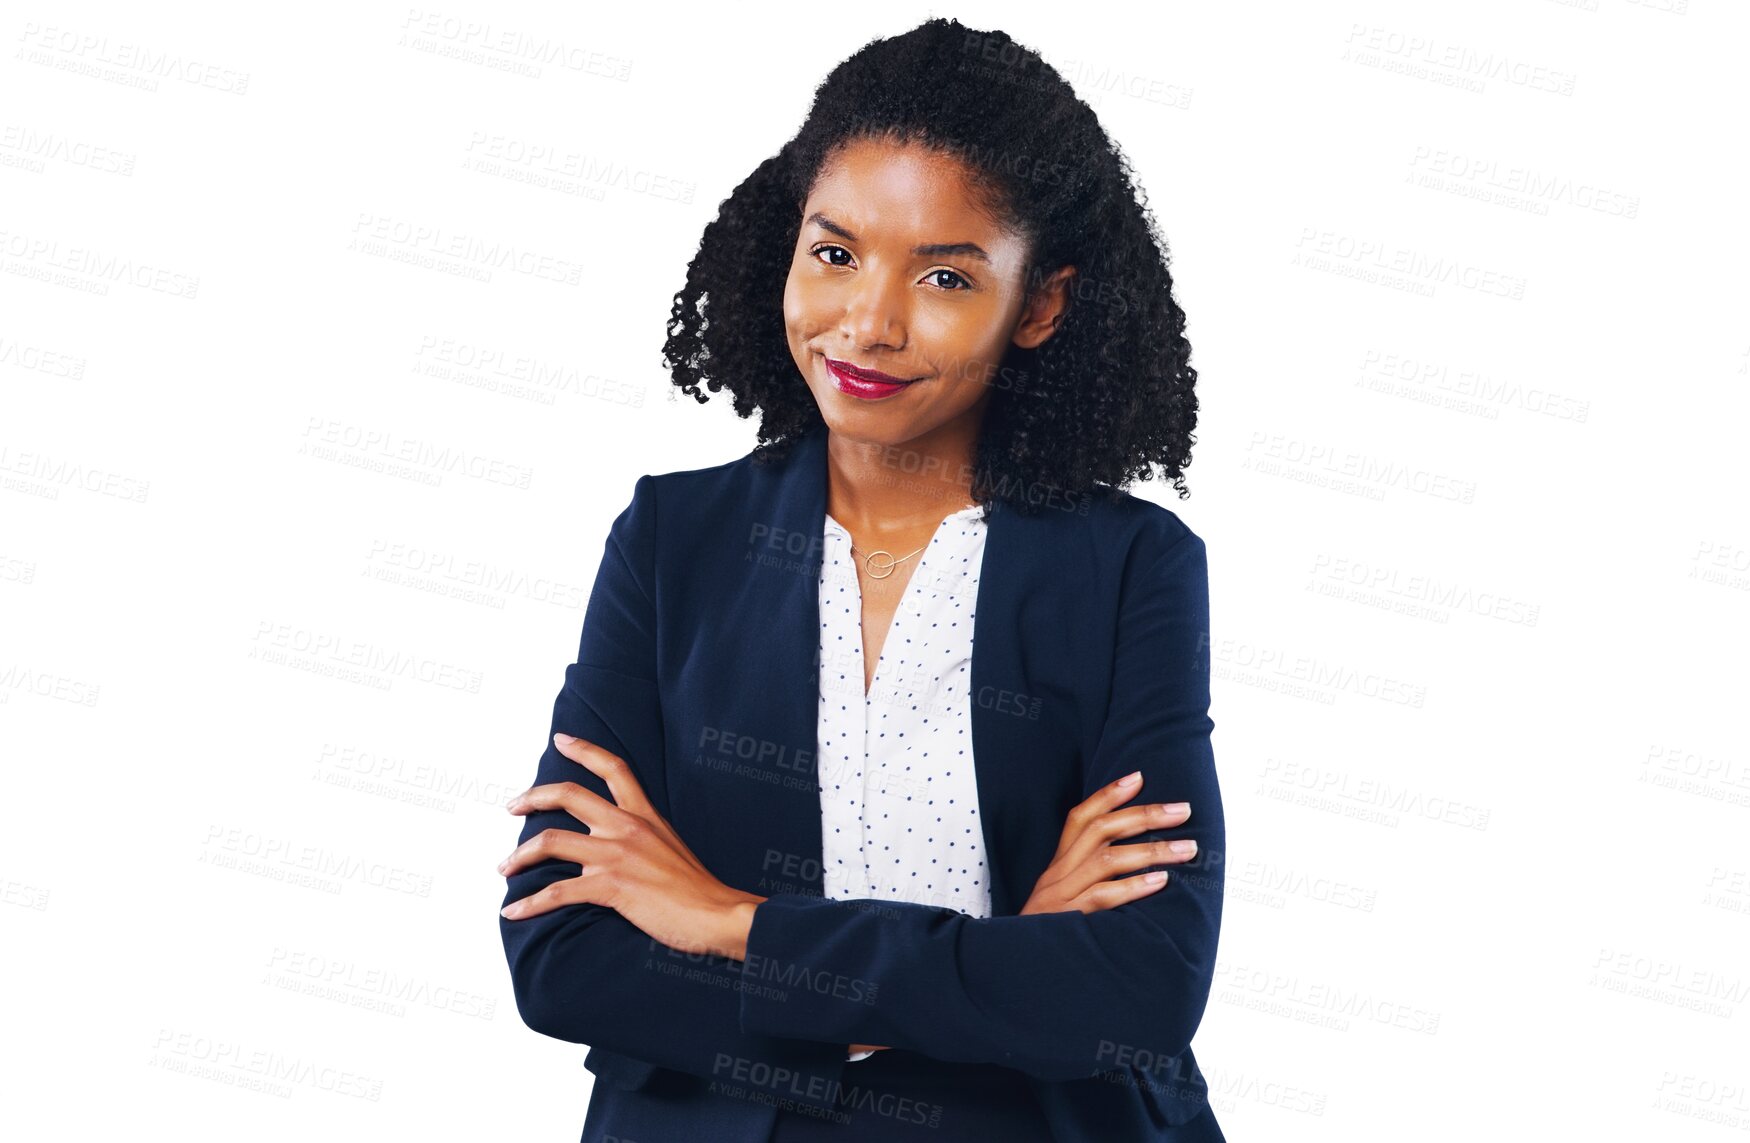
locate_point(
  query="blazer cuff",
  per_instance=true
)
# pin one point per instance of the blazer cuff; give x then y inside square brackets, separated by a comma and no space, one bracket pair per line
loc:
[787,988]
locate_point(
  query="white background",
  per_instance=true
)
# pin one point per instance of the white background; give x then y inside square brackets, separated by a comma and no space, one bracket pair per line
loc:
[1466,295]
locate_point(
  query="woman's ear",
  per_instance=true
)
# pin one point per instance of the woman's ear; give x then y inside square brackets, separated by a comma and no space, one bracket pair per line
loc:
[1047,303]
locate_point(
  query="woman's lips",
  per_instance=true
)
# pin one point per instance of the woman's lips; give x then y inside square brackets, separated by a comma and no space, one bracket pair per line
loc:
[868,385]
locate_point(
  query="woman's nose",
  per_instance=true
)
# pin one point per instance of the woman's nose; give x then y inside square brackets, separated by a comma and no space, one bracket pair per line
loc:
[875,315]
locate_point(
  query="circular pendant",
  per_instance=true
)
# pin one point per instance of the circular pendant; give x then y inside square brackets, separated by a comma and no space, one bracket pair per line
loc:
[884,571]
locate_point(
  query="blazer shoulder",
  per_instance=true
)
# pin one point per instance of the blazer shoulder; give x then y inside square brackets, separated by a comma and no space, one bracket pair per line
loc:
[700,491]
[1129,521]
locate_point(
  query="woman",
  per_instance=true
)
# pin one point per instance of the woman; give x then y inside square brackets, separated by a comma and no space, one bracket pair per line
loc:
[798,864]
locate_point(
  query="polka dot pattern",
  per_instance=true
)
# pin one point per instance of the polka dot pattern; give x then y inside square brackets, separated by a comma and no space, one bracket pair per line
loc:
[898,792]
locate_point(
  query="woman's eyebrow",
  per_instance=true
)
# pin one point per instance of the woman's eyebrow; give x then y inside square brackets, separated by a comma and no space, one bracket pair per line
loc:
[928,250]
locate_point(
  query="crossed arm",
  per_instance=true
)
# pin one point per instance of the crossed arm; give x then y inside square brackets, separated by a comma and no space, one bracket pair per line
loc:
[1057,995]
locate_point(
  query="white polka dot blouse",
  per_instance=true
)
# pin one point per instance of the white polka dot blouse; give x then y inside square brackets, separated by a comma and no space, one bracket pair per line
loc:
[898,793]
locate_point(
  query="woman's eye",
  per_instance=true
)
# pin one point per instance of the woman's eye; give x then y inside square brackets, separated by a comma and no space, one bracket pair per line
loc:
[963,283]
[819,250]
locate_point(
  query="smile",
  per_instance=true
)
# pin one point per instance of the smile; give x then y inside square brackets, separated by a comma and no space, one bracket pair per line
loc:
[866,384]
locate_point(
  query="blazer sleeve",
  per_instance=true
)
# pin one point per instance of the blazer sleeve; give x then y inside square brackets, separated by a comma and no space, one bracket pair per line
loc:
[1055,995]
[583,973]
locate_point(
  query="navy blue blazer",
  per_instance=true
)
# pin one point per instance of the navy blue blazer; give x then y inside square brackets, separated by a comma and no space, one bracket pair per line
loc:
[699,665]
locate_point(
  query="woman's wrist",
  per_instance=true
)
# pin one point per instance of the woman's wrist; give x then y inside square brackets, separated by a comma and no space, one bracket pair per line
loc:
[734,922]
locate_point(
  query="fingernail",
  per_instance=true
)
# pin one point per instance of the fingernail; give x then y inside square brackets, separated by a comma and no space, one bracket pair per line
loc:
[506,862]
[1154,878]
[1131,778]
[1182,846]
[1178,807]
[564,739]
[508,911]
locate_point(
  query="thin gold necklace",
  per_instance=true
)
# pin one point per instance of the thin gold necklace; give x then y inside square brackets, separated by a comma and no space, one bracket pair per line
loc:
[887,568]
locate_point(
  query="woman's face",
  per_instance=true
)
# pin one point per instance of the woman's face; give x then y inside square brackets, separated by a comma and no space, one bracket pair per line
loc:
[897,271]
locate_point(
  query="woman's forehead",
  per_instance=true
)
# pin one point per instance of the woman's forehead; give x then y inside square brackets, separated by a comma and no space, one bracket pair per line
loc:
[883,191]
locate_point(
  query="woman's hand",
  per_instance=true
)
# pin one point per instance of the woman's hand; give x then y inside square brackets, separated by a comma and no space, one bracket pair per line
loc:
[1086,873]
[632,861]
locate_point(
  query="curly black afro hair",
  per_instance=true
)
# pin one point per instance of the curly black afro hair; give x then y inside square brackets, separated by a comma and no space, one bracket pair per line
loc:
[1106,397]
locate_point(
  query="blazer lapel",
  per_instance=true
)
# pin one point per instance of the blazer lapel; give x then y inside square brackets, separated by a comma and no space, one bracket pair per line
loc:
[757,691]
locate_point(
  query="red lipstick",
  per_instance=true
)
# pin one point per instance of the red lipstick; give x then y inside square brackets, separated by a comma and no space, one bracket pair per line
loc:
[868,384]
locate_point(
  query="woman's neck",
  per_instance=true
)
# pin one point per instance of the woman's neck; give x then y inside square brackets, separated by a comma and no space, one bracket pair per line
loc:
[881,489]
